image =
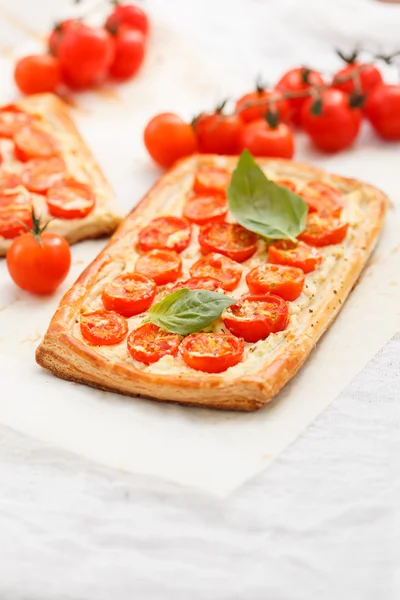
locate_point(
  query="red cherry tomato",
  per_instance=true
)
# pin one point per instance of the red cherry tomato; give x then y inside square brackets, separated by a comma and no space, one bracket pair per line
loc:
[165,232]
[368,78]
[167,138]
[205,208]
[32,142]
[218,133]
[37,74]
[197,283]
[217,266]
[149,343]
[211,352]
[322,198]
[229,239]
[164,266]
[130,15]
[338,124]
[15,212]
[255,105]
[130,46]
[12,119]
[40,174]
[286,282]
[261,139]
[323,231]
[298,80]
[57,34]
[70,199]
[254,318]
[129,294]
[285,252]
[8,181]
[210,180]
[383,111]
[103,327]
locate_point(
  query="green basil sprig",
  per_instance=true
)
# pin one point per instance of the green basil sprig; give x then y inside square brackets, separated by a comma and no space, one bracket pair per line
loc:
[187,311]
[262,206]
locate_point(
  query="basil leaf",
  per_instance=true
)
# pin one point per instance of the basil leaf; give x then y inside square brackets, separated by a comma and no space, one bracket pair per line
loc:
[187,311]
[260,205]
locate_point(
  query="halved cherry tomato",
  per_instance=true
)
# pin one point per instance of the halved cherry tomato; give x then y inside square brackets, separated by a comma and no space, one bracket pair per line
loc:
[323,231]
[205,208]
[297,80]
[254,318]
[103,327]
[322,198]
[256,104]
[15,212]
[197,283]
[229,239]
[32,142]
[211,352]
[284,252]
[8,181]
[129,294]
[287,184]
[70,199]
[218,133]
[165,232]
[220,267]
[164,266]
[208,180]
[149,343]
[40,174]
[286,282]
[12,119]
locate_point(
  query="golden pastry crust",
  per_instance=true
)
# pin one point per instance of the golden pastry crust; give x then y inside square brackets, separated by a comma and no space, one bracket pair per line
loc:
[272,363]
[81,164]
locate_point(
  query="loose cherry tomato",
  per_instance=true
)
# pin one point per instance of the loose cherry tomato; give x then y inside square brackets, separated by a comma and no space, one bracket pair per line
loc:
[197,283]
[12,119]
[229,239]
[283,281]
[129,294]
[209,180]
[298,80]
[285,252]
[323,231]
[40,174]
[130,15]
[37,74]
[167,138]
[220,267]
[164,266]
[254,318]
[205,208]
[322,198]
[287,184]
[15,212]
[211,352]
[9,181]
[337,125]
[85,54]
[57,34]
[255,105]
[218,133]
[103,327]
[368,78]
[383,111]
[262,139]
[70,199]
[130,46]
[165,232]
[149,343]
[32,142]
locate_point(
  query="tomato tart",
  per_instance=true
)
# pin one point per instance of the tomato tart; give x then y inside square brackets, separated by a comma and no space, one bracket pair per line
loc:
[217,302]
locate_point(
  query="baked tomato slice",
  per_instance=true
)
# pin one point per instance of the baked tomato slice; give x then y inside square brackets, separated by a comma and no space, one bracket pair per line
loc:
[229,239]
[129,294]
[211,352]
[15,212]
[285,252]
[197,283]
[283,281]
[206,208]
[165,233]
[323,231]
[149,343]
[41,174]
[164,266]
[322,198]
[103,327]
[9,181]
[287,184]
[32,142]
[220,267]
[12,119]
[255,317]
[70,199]
[208,180]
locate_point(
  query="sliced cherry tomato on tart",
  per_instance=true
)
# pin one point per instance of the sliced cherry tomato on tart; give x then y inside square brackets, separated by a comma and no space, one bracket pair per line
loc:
[12,119]
[103,327]
[323,231]
[129,294]
[209,180]
[149,343]
[281,280]
[164,266]
[15,210]
[70,199]
[206,208]
[220,267]
[197,283]
[170,233]
[285,252]
[32,142]
[9,181]
[229,239]
[40,174]
[255,317]
[211,352]
[322,198]
[287,184]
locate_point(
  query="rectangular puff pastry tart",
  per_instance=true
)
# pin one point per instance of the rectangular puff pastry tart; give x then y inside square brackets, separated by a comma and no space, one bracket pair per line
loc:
[215,289]
[45,163]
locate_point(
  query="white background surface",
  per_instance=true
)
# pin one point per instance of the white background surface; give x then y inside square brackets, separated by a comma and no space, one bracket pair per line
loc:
[324,519]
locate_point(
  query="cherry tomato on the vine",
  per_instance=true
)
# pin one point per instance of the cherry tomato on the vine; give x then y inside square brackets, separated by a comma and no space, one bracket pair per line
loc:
[256,104]
[218,133]
[37,74]
[298,80]
[130,47]
[262,139]
[383,111]
[130,15]
[366,78]
[167,138]
[57,34]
